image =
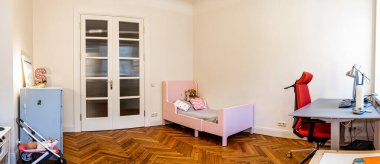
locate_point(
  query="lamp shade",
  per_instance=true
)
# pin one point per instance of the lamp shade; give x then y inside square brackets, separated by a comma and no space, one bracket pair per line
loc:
[351,73]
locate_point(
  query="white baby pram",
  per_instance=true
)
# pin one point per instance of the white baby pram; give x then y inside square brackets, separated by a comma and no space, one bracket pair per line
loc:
[36,156]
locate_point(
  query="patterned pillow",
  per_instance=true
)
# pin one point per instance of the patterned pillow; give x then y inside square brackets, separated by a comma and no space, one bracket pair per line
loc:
[198,103]
[183,105]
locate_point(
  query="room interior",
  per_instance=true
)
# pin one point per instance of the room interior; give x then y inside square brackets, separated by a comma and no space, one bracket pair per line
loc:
[116,68]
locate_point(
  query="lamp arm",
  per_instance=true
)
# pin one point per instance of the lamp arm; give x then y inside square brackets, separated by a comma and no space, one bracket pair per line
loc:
[361,73]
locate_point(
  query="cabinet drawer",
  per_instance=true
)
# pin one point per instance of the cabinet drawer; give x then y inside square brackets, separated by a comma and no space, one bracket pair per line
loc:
[4,147]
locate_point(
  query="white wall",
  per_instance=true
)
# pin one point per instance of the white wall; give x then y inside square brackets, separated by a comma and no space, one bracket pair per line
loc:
[22,41]
[6,64]
[249,50]
[169,49]
[15,37]
[22,45]
[377,51]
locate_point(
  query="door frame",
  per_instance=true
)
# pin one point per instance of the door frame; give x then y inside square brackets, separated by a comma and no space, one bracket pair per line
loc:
[77,62]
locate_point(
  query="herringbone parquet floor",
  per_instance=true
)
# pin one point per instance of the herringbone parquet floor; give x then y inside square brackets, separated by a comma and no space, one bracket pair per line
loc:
[176,144]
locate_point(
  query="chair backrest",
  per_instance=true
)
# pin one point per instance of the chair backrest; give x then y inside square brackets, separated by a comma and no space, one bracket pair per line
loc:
[302,96]
[302,90]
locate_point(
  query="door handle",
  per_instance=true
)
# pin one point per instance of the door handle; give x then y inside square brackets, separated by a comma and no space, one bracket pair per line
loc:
[111,84]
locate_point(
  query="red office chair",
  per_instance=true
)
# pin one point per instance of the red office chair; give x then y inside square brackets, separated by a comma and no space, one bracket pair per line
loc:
[315,130]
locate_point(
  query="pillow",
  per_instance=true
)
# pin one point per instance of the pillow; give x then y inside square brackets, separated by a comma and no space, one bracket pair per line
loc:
[191,106]
[183,105]
[198,103]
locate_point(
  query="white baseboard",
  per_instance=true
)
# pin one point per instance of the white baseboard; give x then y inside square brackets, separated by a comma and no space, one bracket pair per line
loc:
[156,123]
[275,132]
[68,128]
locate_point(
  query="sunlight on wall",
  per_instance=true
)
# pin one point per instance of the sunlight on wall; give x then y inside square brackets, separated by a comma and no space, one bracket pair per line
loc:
[17,71]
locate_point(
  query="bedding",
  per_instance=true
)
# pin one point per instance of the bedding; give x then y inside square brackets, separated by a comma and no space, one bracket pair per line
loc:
[209,115]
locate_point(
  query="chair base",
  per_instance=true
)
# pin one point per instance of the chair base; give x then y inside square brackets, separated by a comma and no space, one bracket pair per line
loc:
[310,155]
[290,153]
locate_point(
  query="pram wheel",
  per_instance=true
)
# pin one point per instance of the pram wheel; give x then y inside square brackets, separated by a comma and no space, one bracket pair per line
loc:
[25,157]
[61,161]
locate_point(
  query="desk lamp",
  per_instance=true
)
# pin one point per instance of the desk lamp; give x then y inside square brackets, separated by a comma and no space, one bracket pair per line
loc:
[354,73]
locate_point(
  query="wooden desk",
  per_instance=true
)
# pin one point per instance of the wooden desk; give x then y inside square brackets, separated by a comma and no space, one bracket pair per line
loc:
[319,154]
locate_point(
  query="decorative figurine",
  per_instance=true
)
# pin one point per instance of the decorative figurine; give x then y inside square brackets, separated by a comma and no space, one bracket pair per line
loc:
[41,79]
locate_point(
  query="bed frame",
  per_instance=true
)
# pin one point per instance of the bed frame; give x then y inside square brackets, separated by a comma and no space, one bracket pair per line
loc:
[231,120]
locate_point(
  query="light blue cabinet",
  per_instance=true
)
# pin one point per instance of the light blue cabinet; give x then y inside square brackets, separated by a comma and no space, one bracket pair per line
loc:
[41,108]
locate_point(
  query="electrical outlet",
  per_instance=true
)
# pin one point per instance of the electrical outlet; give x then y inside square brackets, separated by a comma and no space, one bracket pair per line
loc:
[281,124]
[154,115]
[153,85]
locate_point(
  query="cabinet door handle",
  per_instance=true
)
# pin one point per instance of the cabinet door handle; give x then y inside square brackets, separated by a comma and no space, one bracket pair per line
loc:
[111,84]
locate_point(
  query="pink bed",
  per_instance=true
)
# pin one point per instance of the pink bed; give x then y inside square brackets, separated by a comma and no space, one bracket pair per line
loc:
[231,120]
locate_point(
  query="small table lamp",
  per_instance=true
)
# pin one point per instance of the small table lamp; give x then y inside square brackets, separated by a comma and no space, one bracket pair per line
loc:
[354,73]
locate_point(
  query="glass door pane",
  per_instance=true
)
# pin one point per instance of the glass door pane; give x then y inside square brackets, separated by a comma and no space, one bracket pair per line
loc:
[96,108]
[96,88]
[129,107]
[129,87]
[129,49]
[96,28]
[96,67]
[96,47]
[129,68]
[128,30]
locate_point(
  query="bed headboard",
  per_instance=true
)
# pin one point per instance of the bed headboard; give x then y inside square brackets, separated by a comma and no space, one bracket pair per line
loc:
[173,90]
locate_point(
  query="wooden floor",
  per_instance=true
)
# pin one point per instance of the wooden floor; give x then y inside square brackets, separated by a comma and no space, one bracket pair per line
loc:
[176,144]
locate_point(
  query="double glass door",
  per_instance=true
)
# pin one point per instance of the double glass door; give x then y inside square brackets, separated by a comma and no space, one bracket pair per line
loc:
[112,73]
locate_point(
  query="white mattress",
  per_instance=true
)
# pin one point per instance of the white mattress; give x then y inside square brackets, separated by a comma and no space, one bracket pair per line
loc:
[205,114]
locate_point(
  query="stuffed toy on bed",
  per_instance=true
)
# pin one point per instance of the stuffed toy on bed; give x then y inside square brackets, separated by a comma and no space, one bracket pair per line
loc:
[190,94]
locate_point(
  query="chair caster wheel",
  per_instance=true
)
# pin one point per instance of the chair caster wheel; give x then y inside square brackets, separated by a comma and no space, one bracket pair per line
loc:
[289,155]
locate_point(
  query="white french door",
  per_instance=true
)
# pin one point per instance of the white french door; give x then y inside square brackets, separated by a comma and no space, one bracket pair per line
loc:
[129,74]
[112,73]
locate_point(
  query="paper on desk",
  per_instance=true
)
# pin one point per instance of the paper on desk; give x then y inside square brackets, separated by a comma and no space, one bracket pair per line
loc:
[329,158]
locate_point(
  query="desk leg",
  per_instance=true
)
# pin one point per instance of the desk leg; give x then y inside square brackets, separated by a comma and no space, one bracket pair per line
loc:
[377,135]
[335,134]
